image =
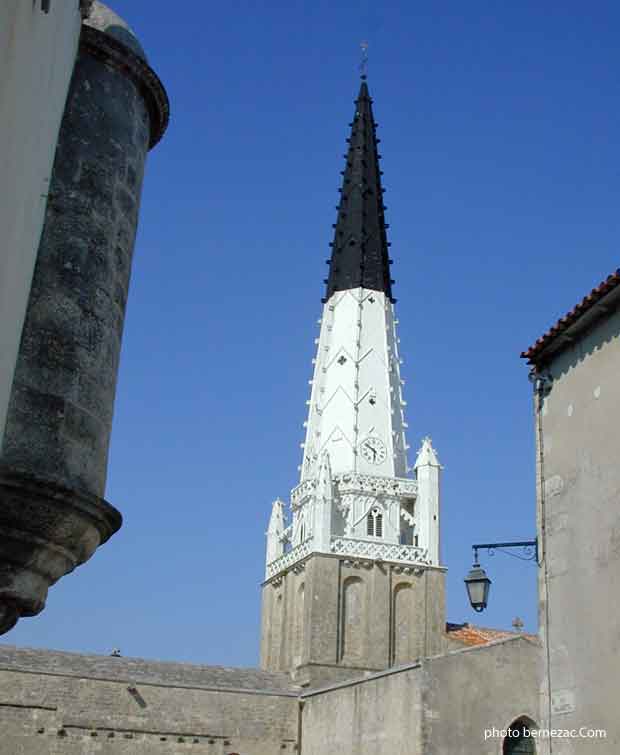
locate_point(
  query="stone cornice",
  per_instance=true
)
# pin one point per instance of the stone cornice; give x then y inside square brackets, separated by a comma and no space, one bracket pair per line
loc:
[112,52]
[36,549]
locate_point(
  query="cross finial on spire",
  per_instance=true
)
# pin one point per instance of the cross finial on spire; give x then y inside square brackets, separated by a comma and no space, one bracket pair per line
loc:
[364,61]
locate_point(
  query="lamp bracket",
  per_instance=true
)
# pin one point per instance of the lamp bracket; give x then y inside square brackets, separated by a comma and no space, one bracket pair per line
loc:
[529,547]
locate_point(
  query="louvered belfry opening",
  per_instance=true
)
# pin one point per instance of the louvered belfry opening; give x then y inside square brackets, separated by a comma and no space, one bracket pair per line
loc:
[374,523]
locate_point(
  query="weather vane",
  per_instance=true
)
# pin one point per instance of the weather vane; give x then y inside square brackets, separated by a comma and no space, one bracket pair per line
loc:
[364,61]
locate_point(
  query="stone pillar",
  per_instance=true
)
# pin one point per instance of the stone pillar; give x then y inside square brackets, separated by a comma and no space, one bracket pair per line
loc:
[54,456]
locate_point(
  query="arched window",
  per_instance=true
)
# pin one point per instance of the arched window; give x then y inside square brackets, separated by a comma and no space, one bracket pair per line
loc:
[374,523]
[519,740]
[352,626]
[298,633]
[402,615]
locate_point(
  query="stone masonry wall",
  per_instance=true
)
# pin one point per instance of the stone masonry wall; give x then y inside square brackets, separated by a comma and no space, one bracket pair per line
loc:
[64,704]
[441,706]
[55,712]
[60,413]
[329,618]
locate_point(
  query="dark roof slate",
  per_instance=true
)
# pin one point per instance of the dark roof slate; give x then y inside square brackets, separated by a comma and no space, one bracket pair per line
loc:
[360,248]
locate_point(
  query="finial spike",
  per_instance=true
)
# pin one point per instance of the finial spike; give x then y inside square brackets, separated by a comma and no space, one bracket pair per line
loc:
[364,61]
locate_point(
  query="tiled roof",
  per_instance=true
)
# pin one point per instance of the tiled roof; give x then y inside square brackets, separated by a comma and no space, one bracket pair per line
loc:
[473,635]
[164,673]
[585,306]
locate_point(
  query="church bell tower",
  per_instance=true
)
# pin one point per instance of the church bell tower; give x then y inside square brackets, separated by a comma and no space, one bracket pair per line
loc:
[353,578]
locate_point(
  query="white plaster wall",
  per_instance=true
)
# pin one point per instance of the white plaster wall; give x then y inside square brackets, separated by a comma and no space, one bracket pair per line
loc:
[579,519]
[37,52]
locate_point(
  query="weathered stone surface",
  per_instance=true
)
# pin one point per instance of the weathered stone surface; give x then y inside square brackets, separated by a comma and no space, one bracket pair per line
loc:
[102,18]
[60,413]
[53,702]
[63,703]
[305,628]
[165,673]
[441,706]
[46,530]
[577,419]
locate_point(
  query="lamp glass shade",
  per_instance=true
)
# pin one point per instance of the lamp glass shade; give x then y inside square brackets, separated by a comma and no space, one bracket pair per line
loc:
[478,585]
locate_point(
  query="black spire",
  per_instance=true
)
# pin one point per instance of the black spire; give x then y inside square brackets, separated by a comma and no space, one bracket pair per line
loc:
[360,246]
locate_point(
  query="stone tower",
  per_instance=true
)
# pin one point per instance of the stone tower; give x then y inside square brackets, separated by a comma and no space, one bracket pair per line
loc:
[354,581]
[53,460]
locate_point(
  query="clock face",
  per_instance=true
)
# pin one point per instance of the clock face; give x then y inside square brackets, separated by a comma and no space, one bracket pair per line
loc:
[373,450]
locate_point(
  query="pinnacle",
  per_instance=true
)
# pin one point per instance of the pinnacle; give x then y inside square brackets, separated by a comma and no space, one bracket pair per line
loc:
[427,456]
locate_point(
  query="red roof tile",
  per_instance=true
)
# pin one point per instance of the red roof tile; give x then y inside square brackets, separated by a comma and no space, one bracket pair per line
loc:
[587,303]
[472,635]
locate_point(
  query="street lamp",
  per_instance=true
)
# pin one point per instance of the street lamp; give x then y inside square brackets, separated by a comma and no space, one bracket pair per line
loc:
[478,584]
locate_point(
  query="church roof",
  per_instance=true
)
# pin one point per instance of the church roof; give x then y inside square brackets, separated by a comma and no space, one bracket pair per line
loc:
[472,635]
[591,308]
[140,670]
[360,248]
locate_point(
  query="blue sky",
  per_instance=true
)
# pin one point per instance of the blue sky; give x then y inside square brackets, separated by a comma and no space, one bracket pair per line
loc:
[499,126]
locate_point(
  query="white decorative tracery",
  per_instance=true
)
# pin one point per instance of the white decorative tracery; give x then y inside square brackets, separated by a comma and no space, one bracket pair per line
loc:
[379,551]
[289,559]
[363,483]
[353,548]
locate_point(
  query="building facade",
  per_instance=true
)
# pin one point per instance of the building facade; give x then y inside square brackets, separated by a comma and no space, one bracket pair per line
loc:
[575,368]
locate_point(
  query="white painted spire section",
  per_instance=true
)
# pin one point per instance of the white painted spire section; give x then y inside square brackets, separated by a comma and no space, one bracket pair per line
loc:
[356,407]
[354,497]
